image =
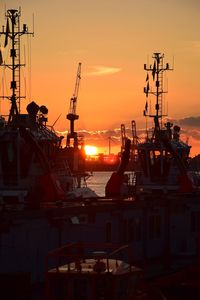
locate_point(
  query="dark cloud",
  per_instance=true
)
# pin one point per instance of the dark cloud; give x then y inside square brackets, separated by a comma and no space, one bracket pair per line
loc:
[190,121]
[101,137]
[190,129]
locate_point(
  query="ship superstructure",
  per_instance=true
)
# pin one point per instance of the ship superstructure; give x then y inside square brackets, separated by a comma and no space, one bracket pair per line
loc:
[160,161]
[163,157]
[34,167]
[29,147]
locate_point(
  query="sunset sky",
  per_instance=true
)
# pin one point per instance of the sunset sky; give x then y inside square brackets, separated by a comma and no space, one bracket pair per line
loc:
[112,39]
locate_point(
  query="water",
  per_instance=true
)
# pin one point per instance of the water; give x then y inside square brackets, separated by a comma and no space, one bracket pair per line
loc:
[97,182]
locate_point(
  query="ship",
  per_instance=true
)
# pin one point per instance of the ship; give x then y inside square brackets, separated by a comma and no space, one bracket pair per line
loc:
[35,167]
[159,219]
[161,162]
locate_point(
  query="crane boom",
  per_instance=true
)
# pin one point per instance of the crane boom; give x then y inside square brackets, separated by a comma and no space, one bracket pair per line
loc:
[73,100]
[72,116]
[123,137]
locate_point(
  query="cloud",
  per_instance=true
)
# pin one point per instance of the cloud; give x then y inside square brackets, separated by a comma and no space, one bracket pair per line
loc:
[195,134]
[100,138]
[190,129]
[102,135]
[62,132]
[190,121]
[102,70]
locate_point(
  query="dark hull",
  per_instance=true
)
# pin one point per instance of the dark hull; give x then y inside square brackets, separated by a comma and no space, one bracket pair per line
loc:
[159,229]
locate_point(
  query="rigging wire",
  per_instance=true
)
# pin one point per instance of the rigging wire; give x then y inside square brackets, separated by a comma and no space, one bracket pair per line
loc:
[4,81]
[29,67]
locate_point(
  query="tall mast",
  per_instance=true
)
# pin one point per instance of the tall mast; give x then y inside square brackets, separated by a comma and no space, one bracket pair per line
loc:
[14,33]
[157,71]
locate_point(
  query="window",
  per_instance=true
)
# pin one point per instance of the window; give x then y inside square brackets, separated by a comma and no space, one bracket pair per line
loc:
[132,230]
[195,221]
[108,232]
[154,226]
[138,229]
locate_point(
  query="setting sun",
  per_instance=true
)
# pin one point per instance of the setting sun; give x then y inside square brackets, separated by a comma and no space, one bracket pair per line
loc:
[90,150]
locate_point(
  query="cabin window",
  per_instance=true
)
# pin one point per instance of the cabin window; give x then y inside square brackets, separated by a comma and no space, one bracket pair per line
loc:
[9,163]
[152,157]
[156,164]
[132,230]
[26,155]
[108,232]
[143,159]
[195,221]
[124,231]
[154,226]
[138,230]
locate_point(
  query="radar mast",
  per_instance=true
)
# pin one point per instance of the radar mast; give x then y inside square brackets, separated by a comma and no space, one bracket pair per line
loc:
[13,33]
[157,71]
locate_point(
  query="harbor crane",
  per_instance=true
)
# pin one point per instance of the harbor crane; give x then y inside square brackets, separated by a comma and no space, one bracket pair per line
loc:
[134,152]
[123,137]
[72,116]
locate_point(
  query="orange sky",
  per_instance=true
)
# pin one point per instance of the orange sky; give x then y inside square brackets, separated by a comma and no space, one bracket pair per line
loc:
[113,39]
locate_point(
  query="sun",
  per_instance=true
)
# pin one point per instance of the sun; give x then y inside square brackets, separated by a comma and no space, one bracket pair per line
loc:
[90,150]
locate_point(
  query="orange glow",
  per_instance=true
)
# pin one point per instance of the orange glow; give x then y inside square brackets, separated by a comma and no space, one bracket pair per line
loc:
[90,150]
[113,77]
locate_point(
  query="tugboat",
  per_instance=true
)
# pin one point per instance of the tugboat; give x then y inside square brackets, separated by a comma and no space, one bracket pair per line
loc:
[37,174]
[34,167]
[165,190]
[161,162]
[163,157]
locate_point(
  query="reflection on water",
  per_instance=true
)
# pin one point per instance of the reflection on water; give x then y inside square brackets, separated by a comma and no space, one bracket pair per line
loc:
[98,181]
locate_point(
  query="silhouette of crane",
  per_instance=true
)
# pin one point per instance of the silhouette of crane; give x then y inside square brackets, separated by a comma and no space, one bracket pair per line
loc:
[134,152]
[110,139]
[72,116]
[123,137]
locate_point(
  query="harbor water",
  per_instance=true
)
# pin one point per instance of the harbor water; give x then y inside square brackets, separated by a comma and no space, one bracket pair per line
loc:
[97,182]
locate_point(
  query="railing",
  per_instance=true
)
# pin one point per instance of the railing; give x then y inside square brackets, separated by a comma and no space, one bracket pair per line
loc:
[79,252]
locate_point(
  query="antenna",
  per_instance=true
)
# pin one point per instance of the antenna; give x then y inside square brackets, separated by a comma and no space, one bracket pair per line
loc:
[33,24]
[13,34]
[156,71]
[56,120]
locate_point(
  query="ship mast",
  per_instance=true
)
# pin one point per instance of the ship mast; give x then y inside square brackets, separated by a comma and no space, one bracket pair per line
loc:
[13,33]
[157,71]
